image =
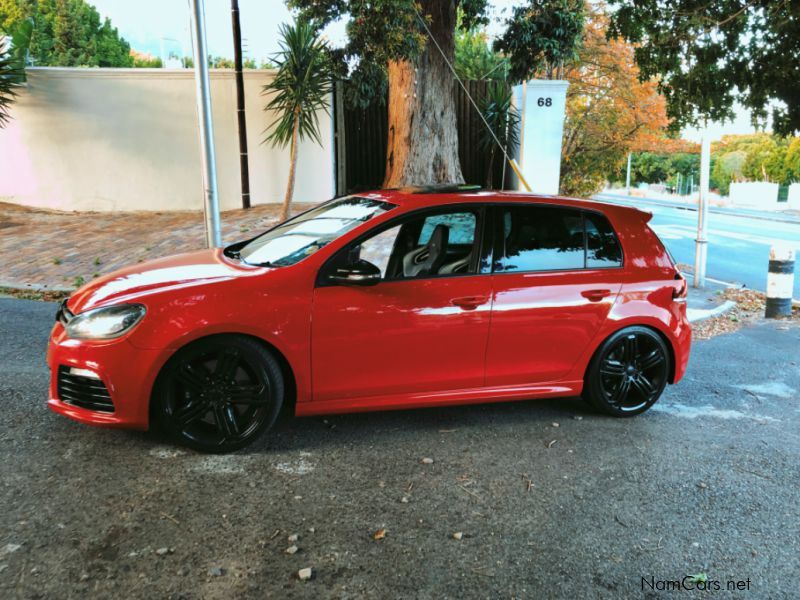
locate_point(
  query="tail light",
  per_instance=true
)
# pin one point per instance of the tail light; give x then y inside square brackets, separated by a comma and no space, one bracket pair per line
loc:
[681,289]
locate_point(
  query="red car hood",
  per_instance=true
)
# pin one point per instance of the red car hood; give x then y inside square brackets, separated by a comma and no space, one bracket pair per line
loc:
[170,273]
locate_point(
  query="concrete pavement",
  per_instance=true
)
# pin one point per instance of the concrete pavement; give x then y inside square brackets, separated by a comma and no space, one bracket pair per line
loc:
[553,500]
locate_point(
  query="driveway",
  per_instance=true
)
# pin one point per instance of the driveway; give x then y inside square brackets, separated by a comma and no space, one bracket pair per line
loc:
[549,499]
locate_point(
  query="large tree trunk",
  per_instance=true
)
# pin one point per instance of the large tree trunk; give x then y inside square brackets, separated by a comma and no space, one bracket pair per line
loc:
[423,140]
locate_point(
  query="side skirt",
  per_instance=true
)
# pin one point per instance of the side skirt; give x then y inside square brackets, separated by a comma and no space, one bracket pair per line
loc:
[446,398]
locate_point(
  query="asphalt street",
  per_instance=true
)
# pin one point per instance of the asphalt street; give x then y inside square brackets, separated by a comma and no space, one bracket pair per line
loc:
[552,500]
[738,246]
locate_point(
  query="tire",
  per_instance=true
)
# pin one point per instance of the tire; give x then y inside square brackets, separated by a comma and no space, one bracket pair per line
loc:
[628,373]
[219,394]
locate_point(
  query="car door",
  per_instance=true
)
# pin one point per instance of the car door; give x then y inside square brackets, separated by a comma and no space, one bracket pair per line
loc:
[556,275]
[414,332]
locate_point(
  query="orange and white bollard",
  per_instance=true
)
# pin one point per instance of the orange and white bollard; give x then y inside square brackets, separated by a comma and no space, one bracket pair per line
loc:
[780,282]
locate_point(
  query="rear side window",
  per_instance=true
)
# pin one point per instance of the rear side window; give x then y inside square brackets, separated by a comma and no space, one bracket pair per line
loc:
[548,238]
[602,246]
[541,238]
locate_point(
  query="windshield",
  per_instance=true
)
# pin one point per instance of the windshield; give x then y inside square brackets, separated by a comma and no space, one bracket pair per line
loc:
[292,241]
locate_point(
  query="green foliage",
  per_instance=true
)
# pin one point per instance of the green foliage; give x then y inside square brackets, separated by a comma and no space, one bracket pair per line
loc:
[793,160]
[541,35]
[710,54]
[220,62]
[67,33]
[649,167]
[301,86]
[11,75]
[503,119]
[147,62]
[727,168]
[475,60]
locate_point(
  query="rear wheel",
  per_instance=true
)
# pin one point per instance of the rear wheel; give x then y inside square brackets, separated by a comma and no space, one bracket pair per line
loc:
[628,373]
[220,393]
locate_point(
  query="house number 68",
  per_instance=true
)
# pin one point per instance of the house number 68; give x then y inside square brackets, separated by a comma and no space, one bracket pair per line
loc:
[545,102]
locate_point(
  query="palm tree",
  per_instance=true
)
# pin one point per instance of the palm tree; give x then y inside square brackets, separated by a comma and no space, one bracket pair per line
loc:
[503,119]
[301,88]
[10,77]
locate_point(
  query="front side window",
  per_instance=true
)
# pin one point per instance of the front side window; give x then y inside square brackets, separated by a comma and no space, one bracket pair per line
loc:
[540,238]
[302,236]
[440,244]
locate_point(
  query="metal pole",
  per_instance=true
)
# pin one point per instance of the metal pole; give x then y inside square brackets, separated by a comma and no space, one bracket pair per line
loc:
[206,125]
[628,176]
[701,246]
[244,167]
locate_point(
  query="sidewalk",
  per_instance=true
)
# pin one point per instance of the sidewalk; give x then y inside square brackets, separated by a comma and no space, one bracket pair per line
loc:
[788,216]
[59,250]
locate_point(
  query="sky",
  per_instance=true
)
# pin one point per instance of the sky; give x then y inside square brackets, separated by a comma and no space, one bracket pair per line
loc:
[147,24]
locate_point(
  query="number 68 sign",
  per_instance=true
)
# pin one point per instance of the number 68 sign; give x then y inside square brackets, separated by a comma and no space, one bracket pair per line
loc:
[544,102]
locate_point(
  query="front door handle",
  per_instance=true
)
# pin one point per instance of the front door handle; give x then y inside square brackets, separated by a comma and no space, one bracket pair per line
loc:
[595,295]
[469,302]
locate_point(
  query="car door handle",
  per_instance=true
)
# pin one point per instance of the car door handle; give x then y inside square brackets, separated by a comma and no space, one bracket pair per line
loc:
[469,302]
[595,295]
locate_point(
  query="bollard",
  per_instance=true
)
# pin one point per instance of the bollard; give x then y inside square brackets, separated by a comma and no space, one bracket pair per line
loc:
[780,282]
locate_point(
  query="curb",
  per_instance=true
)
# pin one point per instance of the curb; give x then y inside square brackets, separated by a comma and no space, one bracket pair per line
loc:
[698,314]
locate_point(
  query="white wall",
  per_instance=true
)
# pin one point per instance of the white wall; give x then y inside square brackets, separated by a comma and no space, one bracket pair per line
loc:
[127,139]
[755,194]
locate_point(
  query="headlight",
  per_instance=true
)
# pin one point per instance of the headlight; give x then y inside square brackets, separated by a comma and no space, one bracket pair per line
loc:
[105,323]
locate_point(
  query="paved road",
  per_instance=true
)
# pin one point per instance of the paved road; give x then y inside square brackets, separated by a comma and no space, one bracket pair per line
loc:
[738,248]
[706,483]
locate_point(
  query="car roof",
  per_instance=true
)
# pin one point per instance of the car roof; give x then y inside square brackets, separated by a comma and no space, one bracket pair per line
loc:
[412,199]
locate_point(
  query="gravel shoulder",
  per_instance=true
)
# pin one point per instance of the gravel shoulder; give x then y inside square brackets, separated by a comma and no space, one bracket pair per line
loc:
[552,500]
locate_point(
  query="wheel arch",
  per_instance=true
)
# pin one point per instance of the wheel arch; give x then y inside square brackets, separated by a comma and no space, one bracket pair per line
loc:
[290,379]
[662,334]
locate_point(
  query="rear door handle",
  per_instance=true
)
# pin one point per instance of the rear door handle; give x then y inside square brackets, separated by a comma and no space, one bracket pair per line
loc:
[595,295]
[469,302]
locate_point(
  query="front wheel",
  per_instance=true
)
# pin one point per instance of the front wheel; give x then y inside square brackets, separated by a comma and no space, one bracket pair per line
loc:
[628,373]
[219,394]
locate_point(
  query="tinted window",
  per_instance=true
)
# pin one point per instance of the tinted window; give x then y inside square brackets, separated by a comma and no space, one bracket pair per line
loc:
[602,247]
[461,227]
[541,238]
[409,250]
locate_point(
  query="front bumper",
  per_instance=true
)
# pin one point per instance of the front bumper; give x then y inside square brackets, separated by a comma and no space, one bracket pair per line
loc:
[128,373]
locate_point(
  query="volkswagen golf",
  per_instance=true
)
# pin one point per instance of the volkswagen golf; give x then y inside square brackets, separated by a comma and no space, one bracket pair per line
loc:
[385,300]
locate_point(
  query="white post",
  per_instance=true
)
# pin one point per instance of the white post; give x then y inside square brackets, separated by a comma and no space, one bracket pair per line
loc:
[780,281]
[206,125]
[628,176]
[701,246]
[542,104]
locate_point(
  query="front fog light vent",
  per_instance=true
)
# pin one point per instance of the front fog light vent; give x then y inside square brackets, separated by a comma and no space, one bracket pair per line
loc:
[83,388]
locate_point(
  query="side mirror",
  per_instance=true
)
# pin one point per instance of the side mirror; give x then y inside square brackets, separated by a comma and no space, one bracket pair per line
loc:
[361,272]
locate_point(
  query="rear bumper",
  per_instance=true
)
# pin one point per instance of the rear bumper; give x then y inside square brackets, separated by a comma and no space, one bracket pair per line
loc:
[128,373]
[682,342]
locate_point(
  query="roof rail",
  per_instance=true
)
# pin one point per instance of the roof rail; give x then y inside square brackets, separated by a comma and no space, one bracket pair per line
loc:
[438,188]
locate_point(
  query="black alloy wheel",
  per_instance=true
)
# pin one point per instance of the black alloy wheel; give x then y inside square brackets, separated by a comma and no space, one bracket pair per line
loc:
[628,373]
[220,393]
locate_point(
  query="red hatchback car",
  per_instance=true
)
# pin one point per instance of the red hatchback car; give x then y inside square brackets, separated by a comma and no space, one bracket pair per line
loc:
[383,300]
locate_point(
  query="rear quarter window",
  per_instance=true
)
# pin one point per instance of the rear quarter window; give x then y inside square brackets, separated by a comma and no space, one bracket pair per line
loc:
[602,246]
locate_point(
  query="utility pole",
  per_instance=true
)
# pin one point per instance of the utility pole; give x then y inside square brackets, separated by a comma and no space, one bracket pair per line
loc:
[206,125]
[628,176]
[244,167]
[701,245]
